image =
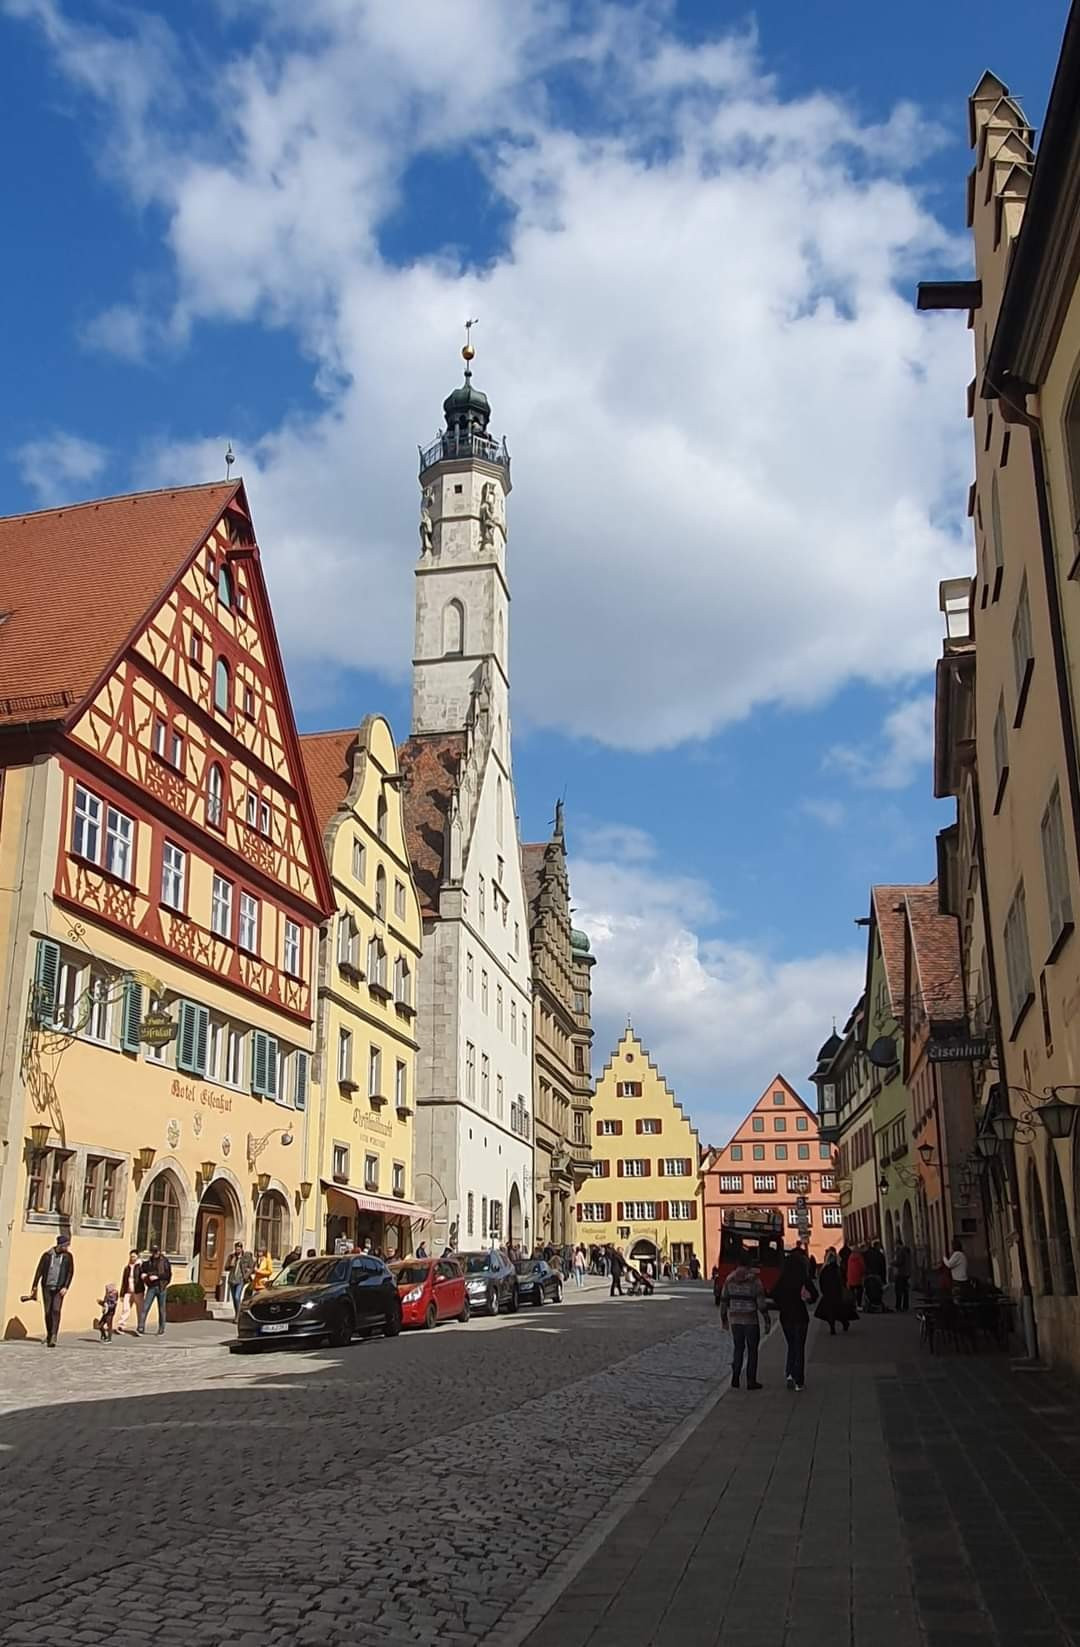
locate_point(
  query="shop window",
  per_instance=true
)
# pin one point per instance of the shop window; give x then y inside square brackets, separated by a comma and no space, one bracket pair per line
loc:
[159,1216]
[271,1225]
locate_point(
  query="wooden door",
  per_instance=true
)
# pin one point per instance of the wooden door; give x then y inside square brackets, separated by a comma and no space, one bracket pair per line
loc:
[211,1251]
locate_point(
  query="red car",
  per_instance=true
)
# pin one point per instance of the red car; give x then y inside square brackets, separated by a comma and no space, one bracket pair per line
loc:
[431,1290]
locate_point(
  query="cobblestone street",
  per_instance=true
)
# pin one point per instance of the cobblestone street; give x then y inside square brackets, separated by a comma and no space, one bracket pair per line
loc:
[399,1491]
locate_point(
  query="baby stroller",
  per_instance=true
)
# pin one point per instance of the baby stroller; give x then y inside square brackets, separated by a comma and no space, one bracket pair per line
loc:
[873,1295]
[639,1282]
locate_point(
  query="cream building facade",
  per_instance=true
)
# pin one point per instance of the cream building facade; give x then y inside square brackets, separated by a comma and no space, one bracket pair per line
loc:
[368,968]
[562,1039]
[645,1195]
[165,888]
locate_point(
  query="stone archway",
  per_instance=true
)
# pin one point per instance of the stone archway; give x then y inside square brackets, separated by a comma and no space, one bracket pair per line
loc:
[907,1226]
[219,1223]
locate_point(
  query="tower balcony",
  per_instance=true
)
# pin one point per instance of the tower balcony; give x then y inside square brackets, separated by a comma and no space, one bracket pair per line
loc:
[454,447]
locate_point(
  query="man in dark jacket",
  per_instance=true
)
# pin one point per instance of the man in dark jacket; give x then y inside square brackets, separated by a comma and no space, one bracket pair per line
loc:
[156,1274]
[239,1268]
[616,1266]
[54,1274]
[874,1259]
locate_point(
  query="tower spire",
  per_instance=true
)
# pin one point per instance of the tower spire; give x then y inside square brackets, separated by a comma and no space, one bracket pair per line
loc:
[468,353]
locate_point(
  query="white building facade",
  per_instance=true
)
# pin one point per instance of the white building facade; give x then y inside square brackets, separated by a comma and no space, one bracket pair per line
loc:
[473,1162]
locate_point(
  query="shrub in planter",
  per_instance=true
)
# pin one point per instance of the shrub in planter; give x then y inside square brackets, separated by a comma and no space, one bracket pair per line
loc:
[185,1301]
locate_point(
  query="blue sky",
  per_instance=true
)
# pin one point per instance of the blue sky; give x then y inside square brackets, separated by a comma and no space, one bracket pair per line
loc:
[692,234]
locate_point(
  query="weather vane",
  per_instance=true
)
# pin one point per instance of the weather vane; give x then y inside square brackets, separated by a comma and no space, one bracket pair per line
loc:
[468,354]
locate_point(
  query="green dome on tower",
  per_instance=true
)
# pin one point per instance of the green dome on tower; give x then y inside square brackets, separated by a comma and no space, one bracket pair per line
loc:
[579,941]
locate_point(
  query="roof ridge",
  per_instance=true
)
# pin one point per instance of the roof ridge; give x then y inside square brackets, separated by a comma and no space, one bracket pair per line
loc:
[119,497]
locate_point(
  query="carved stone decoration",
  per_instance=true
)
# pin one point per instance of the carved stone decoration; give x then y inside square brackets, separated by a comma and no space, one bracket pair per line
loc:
[487,515]
[226,1146]
[427,529]
[172,1134]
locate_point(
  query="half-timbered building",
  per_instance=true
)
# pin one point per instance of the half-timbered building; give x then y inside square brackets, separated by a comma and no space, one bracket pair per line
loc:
[164,883]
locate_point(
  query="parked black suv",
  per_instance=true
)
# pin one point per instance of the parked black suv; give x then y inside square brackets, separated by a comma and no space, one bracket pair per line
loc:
[490,1281]
[321,1298]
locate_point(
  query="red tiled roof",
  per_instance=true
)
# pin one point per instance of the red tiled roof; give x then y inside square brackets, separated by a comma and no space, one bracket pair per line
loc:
[935,944]
[76,582]
[328,762]
[430,764]
[888,902]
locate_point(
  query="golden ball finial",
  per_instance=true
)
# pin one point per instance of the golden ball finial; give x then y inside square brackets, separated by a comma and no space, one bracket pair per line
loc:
[468,353]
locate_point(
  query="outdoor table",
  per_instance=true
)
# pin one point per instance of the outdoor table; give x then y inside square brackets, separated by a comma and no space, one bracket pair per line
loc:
[967,1317]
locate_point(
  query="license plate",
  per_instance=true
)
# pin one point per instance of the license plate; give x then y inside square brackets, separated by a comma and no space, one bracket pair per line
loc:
[275,1326]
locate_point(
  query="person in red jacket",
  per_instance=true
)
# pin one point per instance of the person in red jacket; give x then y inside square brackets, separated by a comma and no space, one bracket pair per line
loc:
[856,1275]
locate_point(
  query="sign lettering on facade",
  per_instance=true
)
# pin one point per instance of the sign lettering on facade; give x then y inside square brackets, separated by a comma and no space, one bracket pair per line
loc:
[958,1052]
[208,1097]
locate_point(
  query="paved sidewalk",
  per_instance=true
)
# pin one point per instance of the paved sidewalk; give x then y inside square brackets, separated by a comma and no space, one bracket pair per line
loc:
[901,1500]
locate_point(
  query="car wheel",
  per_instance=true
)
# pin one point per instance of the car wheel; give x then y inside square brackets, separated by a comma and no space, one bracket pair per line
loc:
[493,1301]
[466,1312]
[539,1298]
[343,1330]
[514,1301]
[431,1317]
[392,1322]
[558,1296]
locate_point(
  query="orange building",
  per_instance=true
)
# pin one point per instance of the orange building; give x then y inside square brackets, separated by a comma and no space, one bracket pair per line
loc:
[773,1158]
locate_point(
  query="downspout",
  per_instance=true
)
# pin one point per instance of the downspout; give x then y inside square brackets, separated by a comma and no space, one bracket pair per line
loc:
[1027,1302]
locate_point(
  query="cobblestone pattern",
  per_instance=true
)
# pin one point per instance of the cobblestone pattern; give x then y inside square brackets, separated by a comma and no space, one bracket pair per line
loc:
[287,1508]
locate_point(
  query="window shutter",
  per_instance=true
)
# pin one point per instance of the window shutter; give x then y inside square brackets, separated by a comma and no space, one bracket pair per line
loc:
[607,1169]
[662,1212]
[619,1213]
[660,1169]
[618,1129]
[638,1126]
[271,1067]
[186,1038]
[46,981]
[131,1016]
[300,1080]
[619,1168]
[202,1038]
[258,1062]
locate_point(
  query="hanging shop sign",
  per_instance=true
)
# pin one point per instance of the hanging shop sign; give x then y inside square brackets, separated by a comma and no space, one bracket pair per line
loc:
[157,1029]
[959,1052]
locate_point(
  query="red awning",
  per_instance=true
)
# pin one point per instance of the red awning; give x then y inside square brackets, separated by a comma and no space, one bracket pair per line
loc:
[386,1204]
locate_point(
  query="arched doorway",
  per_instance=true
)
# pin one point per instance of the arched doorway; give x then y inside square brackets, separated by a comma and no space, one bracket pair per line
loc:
[217,1227]
[514,1219]
[647,1253]
[889,1237]
[272,1224]
[907,1226]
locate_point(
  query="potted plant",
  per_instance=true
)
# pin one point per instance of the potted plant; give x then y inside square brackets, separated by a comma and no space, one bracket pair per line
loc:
[185,1301]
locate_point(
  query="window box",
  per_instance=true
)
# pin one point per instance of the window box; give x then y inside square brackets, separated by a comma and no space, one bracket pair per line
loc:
[340,1177]
[380,990]
[347,1084]
[377,1100]
[349,969]
[406,1009]
[403,1112]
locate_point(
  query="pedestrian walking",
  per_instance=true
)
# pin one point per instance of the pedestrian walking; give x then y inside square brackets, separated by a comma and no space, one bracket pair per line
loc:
[104,1322]
[264,1270]
[742,1304]
[239,1268]
[130,1291]
[695,1267]
[835,1305]
[579,1266]
[842,1259]
[616,1266]
[156,1272]
[901,1276]
[956,1262]
[54,1275]
[856,1275]
[421,1251]
[791,1294]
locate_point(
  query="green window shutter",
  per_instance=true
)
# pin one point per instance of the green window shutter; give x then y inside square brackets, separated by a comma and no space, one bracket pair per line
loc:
[271,1067]
[185,1038]
[131,1017]
[300,1079]
[258,1062]
[46,981]
[202,1037]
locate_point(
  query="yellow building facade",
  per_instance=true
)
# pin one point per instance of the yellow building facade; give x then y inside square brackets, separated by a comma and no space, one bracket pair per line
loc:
[164,888]
[645,1195]
[369,964]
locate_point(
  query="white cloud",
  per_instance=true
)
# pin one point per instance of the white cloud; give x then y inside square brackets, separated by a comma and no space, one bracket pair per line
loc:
[58,466]
[830,813]
[731,430]
[720,1015]
[904,752]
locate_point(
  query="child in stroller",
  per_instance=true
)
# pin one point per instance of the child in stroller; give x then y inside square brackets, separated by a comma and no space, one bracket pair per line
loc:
[873,1295]
[639,1282]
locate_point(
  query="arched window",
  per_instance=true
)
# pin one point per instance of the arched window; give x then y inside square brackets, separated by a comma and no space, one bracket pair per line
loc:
[225,585]
[499,812]
[381,814]
[453,627]
[380,893]
[1066,1264]
[271,1224]
[1044,1275]
[159,1216]
[221,686]
[376,963]
[215,796]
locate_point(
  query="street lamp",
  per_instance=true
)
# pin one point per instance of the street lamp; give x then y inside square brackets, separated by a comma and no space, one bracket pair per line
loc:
[926,1154]
[1057,1116]
[207,1169]
[39,1136]
[1005,1127]
[146,1157]
[988,1145]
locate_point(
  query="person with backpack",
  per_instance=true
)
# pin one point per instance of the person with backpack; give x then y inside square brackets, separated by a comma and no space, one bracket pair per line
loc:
[791,1294]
